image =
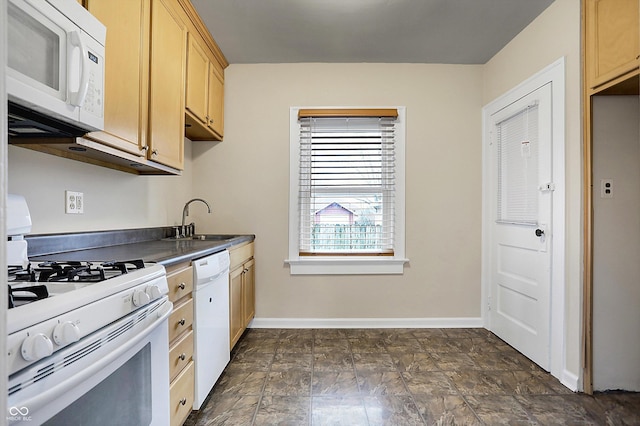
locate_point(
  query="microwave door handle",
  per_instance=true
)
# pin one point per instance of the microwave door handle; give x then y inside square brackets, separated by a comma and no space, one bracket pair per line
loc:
[77,98]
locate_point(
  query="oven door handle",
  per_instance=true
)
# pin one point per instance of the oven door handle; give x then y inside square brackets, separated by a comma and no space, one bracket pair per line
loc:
[42,399]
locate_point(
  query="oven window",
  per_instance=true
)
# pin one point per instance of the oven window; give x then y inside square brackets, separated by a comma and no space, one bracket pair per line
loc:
[123,398]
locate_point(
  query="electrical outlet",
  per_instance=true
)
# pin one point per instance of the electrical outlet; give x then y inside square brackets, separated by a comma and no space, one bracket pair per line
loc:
[606,188]
[73,202]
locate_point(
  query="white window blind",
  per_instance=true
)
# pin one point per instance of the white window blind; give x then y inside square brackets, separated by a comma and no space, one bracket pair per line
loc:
[517,139]
[346,185]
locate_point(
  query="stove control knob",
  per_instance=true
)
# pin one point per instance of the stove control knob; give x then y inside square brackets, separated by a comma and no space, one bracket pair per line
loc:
[140,298]
[153,291]
[66,333]
[36,347]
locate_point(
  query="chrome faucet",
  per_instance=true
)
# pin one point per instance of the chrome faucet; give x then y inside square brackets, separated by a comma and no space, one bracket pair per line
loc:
[185,213]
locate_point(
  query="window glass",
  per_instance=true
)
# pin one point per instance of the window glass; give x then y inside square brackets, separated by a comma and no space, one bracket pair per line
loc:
[347,191]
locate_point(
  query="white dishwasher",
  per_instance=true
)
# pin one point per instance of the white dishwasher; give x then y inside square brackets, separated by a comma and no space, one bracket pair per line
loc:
[211,322]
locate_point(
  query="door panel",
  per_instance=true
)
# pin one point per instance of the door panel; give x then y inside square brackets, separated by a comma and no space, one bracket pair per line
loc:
[197,83]
[168,73]
[126,74]
[521,259]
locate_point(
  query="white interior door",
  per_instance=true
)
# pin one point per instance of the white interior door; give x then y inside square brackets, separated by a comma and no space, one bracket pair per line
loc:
[521,224]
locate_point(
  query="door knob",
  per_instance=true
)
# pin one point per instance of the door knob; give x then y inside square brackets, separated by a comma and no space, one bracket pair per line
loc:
[539,232]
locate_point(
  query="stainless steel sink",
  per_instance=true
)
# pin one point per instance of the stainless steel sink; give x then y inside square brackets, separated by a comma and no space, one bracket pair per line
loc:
[205,237]
[214,237]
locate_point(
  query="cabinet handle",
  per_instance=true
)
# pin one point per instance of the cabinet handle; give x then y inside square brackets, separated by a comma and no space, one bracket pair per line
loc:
[211,121]
[182,321]
[182,356]
[145,148]
[182,286]
[154,152]
[183,401]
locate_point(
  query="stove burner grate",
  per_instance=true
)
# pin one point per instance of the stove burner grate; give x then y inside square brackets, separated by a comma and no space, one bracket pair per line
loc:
[68,271]
[124,266]
[62,272]
[23,295]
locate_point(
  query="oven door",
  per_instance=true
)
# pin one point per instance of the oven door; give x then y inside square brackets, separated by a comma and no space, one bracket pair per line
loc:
[117,375]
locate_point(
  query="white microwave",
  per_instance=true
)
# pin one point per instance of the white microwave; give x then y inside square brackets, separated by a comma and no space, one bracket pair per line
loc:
[55,68]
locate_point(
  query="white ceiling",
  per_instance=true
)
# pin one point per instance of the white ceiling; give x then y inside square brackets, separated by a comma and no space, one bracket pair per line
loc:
[387,31]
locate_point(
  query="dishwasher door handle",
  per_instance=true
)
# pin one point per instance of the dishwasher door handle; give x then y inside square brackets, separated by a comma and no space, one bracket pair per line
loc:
[208,279]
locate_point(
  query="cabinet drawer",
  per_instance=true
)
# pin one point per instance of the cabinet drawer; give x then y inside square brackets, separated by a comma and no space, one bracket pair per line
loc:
[239,255]
[181,319]
[181,395]
[180,283]
[180,354]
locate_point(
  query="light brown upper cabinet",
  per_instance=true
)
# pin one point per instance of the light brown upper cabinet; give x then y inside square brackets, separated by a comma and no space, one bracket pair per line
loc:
[216,100]
[144,78]
[126,73]
[150,104]
[612,41]
[166,84]
[197,80]
[204,116]
[205,91]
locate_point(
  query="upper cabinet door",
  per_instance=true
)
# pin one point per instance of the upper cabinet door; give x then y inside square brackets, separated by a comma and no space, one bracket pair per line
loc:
[612,39]
[205,93]
[216,101]
[126,72]
[167,83]
[197,80]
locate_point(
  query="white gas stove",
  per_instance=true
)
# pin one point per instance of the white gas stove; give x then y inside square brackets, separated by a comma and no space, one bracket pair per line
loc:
[71,310]
[73,323]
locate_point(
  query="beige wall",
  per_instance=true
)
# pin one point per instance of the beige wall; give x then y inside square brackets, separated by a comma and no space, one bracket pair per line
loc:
[554,34]
[616,244]
[113,199]
[247,179]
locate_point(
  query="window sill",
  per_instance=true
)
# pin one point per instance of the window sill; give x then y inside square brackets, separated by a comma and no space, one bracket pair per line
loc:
[331,265]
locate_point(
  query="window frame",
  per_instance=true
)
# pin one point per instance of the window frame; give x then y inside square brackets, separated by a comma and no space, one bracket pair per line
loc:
[347,263]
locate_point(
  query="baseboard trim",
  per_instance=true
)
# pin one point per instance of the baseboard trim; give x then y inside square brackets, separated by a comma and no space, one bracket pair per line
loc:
[570,380]
[471,322]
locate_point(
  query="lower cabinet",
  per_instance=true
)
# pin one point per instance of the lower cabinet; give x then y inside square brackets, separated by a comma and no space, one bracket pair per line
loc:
[181,336]
[180,354]
[181,367]
[181,392]
[241,290]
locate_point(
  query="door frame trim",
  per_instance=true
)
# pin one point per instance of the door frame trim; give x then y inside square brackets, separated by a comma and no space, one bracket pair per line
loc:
[555,75]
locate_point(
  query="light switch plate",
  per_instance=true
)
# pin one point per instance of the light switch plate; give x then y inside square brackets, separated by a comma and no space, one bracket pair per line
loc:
[73,202]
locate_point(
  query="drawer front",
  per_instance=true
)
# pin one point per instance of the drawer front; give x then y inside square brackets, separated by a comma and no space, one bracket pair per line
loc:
[180,354]
[181,319]
[180,283]
[181,395]
[240,255]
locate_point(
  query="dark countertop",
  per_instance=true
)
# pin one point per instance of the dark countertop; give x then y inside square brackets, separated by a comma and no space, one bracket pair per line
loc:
[146,244]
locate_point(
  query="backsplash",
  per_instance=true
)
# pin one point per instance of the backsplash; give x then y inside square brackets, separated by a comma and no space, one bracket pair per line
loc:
[112,199]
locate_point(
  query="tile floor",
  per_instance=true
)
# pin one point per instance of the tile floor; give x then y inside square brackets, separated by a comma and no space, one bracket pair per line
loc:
[396,377]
